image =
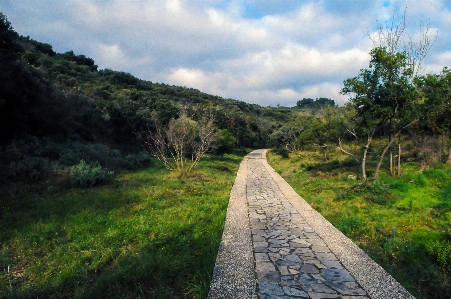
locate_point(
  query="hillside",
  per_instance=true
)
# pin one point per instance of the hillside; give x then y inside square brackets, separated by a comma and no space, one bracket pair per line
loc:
[59,108]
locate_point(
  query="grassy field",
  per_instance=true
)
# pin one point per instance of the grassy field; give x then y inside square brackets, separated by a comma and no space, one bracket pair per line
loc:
[403,223]
[147,234]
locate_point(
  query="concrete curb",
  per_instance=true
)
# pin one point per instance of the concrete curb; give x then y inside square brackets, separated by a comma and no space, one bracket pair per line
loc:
[233,275]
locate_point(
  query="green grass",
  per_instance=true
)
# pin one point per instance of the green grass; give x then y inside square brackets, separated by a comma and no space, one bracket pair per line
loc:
[147,234]
[403,223]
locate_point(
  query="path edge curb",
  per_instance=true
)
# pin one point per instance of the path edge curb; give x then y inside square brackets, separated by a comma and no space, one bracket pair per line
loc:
[233,275]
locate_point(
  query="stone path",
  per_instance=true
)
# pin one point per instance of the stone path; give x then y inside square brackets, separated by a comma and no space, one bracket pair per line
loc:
[276,246]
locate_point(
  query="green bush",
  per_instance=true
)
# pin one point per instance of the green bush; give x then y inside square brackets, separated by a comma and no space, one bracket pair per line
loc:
[436,174]
[441,250]
[135,161]
[29,168]
[86,175]
[281,151]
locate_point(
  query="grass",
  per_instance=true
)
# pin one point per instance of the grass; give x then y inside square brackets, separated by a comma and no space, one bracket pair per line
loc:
[403,223]
[147,234]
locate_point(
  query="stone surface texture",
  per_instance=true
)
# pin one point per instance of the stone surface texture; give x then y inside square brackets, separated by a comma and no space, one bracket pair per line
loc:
[276,246]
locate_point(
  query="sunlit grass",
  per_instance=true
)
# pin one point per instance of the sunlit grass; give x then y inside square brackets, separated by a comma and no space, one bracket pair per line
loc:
[397,221]
[148,234]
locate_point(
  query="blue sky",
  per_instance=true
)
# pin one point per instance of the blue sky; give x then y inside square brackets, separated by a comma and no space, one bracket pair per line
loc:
[259,51]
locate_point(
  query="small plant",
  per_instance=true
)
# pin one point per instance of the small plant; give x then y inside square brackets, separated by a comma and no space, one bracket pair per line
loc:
[85,175]
[347,225]
[442,252]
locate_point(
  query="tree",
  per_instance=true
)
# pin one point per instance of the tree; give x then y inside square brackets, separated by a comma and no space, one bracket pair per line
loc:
[435,115]
[225,141]
[382,95]
[180,139]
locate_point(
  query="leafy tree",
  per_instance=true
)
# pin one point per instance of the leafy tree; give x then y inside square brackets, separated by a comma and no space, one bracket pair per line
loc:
[382,96]
[225,142]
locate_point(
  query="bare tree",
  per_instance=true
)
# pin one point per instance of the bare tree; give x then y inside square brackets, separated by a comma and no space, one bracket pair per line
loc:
[181,139]
[394,38]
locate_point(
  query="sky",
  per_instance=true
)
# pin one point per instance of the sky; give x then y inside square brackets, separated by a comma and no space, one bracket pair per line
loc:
[258,51]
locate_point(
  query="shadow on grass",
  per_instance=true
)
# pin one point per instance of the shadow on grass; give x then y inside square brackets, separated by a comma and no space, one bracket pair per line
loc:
[144,236]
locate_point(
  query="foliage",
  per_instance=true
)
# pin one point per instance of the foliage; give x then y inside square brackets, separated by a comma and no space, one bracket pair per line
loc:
[86,175]
[86,113]
[383,96]
[180,138]
[314,104]
[225,142]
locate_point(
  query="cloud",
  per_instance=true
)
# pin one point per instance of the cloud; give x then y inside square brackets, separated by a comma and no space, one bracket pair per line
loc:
[257,51]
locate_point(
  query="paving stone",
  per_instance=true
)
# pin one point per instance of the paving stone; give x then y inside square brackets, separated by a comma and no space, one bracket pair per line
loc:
[326,256]
[268,276]
[295,292]
[270,288]
[309,269]
[346,288]
[322,288]
[315,295]
[264,267]
[337,275]
[332,264]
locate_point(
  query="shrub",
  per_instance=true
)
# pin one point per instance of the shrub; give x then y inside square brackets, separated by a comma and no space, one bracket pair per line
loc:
[86,175]
[441,250]
[29,168]
[281,151]
[139,160]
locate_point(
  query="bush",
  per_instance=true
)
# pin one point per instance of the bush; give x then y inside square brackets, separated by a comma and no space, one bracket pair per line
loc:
[441,250]
[281,151]
[135,161]
[29,168]
[86,175]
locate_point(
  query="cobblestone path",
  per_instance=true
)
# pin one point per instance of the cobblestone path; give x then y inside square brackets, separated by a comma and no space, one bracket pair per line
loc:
[292,251]
[291,260]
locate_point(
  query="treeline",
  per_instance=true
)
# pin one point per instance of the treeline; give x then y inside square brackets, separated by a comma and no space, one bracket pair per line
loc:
[57,109]
[393,115]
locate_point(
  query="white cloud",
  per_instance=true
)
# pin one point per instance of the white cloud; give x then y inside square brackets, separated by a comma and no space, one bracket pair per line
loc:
[255,51]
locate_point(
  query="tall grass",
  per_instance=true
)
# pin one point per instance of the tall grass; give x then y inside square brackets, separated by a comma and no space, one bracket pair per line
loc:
[404,223]
[148,234]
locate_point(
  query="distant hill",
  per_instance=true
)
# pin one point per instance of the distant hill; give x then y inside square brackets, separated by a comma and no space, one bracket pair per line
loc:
[63,99]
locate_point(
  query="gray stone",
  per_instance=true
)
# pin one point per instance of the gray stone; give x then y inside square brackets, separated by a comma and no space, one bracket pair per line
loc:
[309,269]
[337,275]
[265,267]
[270,288]
[346,288]
[291,291]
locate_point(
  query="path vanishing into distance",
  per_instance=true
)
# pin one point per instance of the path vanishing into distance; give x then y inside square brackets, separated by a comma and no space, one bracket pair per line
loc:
[275,245]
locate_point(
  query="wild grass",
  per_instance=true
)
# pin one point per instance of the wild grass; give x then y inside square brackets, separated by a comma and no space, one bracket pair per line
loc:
[147,234]
[403,223]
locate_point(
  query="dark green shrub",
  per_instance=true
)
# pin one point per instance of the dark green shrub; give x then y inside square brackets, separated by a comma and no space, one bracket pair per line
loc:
[281,151]
[139,160]
[86,175]
[441,250]
[29,169]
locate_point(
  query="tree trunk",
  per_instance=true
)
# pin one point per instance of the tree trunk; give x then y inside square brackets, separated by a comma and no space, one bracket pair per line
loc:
[365,152]
[399,158]
[376,173]
[391,162]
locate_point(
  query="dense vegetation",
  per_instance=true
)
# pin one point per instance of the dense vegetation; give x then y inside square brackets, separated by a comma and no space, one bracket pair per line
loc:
[59,109]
